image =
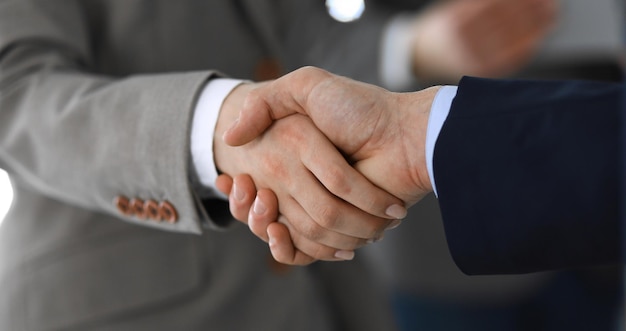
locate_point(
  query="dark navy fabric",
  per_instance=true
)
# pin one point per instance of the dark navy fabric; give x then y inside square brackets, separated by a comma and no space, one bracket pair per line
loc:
[527,175]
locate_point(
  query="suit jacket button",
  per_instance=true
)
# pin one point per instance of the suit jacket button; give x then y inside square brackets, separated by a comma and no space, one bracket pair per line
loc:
[136,205]
[151,209]
[123,205]
[168,212]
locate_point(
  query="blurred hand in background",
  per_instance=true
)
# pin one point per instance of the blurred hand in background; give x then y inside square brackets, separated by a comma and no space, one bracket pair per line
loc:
[486,38]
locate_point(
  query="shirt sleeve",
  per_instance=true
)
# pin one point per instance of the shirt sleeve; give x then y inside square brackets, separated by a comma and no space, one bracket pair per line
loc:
[438,113]
[202,130]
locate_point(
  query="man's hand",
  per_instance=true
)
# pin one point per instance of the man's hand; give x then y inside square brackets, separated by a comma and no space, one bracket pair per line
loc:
[329,208]
[487,38]
[382,133]
[262,216]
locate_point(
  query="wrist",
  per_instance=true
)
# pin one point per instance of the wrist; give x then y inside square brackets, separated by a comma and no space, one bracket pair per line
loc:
[416,108]
[226,157]
[206,113]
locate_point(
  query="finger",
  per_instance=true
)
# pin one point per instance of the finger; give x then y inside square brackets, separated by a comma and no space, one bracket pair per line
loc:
[331,220]
[241,197]
[264,211]
[317,213]
[331,193]
[343,181]
[282,248]
[505,22]
[290,249]
[488,18]
[528,18]
[302,225]
[482,32]
[224,183]
[516,54]
[280,98]
[316,250]
[528,38]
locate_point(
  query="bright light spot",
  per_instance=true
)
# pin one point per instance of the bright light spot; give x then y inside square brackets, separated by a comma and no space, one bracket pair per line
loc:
[6,194]
[345,10]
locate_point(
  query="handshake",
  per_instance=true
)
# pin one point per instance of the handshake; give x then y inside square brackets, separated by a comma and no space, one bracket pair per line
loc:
[319,165]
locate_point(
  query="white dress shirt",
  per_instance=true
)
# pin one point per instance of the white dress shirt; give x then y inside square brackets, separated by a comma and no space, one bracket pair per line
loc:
[203,128]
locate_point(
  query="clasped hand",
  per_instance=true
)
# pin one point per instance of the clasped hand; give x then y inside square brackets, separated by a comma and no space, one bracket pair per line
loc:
[336,162]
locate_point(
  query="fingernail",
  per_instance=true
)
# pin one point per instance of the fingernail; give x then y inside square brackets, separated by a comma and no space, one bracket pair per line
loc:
[396,211]
[394,224]
[238,193]
[344,255]
[230,128]
[379,238]
[370,241]
[259,207]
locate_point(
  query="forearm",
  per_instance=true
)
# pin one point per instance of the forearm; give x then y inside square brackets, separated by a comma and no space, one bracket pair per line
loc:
[85,139]
[535,168]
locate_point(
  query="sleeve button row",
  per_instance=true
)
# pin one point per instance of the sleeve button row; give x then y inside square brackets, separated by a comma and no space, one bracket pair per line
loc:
[149,209]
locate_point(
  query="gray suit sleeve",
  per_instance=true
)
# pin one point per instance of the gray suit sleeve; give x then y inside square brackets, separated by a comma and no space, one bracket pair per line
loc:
[84,138]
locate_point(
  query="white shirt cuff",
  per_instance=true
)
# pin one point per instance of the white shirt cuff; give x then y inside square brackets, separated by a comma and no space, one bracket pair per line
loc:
[438,113]
[396,67]
[203,128]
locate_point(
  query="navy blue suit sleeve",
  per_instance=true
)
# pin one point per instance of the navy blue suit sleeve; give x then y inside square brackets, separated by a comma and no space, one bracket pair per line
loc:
[527,175]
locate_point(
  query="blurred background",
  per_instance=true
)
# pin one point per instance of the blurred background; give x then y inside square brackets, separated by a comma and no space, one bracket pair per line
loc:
[6,194]
[426,289]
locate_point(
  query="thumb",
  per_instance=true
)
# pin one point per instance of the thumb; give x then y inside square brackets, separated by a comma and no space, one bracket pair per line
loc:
[273,101]
[254,118]
[257,115]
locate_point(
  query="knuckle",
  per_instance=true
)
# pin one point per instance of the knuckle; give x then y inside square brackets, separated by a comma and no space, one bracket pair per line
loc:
[253,97]
[312,231]
[272,167]
[328,216]
[321,73]
[294,132]
[308,70]
[371,203]
[336,181]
